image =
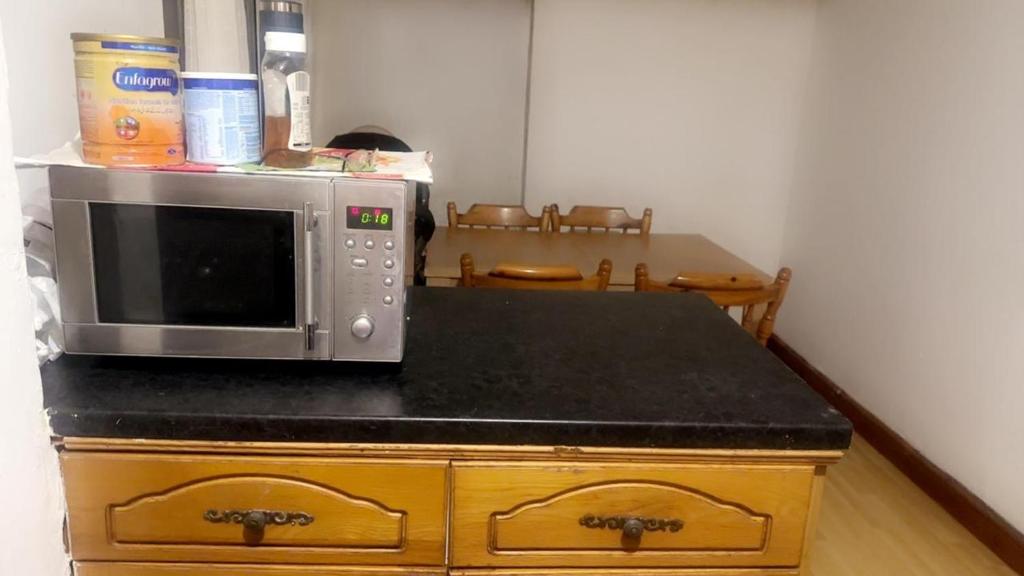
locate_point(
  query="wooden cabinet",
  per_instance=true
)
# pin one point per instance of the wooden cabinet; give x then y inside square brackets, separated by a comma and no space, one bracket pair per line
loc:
[167,569]
[598,515]
[194,509]
[187,508]
[626,572]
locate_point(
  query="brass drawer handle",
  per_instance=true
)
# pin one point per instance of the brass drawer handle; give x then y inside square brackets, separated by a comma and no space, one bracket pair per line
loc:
[258,519]
[632,526]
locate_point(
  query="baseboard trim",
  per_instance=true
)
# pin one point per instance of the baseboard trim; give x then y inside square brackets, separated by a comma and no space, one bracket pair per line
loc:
[974,514]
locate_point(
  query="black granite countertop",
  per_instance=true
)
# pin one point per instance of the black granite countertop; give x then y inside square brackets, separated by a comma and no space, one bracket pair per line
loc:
[481,367]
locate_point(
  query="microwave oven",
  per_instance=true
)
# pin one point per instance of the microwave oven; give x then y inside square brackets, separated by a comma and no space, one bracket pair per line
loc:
[157,263]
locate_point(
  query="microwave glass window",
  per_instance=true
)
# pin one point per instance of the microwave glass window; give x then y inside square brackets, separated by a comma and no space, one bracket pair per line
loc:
[369,218]
[193,266]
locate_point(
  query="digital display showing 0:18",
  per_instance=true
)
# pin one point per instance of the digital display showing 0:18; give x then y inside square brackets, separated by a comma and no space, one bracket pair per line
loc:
[369,218]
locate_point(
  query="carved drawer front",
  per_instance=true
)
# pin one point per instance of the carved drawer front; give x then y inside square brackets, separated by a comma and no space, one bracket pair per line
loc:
[171,569]
[629,515]
[621,572]
[254,509]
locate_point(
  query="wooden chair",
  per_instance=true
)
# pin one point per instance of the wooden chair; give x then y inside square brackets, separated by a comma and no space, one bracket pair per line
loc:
[526,277]
[498,216]
[600,218]
[745,290]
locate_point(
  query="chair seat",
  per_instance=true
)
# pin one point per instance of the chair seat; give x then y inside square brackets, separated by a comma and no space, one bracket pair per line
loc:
[728,291]
[532,277]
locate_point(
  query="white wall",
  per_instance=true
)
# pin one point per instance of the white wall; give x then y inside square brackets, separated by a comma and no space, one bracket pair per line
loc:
[905,228]
[689,107]
[43,103]
[37,114]
[29,487]
[444,75]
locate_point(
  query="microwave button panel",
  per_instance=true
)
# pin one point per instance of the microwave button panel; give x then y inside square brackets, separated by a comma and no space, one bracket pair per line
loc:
[371,276]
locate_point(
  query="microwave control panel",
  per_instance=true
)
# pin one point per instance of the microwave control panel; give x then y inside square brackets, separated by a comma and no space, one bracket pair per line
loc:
[373,231]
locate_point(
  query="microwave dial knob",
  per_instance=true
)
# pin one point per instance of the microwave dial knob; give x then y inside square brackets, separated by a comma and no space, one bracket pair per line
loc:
[362,326]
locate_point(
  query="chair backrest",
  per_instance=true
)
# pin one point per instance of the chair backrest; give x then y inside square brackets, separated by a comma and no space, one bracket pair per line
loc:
[527,277]
[600,219]
[498,216]
[727,291]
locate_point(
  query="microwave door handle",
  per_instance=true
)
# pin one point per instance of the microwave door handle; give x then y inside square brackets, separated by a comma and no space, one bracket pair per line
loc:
[309,222]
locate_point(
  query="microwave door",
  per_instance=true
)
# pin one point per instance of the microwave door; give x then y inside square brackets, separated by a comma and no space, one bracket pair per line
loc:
[193,266]
[201,280]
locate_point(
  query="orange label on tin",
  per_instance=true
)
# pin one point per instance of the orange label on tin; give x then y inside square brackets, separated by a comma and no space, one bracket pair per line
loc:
[129,104]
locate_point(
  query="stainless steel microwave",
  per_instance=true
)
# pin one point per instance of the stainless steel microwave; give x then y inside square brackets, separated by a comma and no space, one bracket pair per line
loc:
[232,266]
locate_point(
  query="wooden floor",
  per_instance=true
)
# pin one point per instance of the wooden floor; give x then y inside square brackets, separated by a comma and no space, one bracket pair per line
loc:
[876,522]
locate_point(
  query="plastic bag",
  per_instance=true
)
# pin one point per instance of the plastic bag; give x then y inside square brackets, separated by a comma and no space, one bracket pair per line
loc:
[39,261]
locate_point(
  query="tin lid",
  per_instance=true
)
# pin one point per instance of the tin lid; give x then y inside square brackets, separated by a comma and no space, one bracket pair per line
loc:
[89,37]
[219,76]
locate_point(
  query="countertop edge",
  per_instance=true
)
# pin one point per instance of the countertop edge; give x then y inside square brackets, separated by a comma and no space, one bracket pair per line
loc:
[279,429]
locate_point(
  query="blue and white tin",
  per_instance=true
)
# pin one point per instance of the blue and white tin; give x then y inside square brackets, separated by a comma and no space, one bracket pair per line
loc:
[222,117]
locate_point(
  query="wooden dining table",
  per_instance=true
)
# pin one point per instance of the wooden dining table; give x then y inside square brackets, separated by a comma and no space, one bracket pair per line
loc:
[666,255]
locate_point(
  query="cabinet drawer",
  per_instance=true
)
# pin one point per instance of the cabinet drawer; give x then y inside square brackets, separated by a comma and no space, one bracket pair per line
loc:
[168,569]
[629,515]
[620,572]
[253,509]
